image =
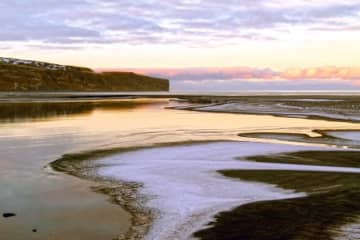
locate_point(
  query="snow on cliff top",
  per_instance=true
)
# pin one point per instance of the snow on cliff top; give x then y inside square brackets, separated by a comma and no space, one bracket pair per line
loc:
[49,66]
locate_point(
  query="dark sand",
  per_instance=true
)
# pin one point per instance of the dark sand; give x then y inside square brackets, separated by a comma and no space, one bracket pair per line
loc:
[333,200]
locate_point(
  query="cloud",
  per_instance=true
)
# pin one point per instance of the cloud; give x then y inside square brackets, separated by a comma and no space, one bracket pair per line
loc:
[249,73]
[169,22]
[326,73]
[31,20]
[326,78]
[208,73]
[245,85]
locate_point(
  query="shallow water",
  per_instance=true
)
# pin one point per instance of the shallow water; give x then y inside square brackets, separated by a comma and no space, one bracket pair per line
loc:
[61,206]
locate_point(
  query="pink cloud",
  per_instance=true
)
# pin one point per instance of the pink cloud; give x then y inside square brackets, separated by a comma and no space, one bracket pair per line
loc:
[327,73]
[206,73]
[253,74]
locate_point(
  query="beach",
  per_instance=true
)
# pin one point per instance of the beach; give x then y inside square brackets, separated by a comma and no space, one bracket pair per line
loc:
[156,162]
[158,201]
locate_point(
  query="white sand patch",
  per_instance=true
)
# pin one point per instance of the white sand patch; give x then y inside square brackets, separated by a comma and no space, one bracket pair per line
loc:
[186,190]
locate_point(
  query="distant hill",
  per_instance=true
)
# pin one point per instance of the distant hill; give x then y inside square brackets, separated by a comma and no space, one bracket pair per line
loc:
[27,75]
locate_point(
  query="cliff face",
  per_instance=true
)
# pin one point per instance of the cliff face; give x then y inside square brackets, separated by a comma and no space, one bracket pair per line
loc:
[25,75]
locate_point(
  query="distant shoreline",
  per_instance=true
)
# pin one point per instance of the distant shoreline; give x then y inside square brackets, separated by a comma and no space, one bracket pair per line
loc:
[173,93]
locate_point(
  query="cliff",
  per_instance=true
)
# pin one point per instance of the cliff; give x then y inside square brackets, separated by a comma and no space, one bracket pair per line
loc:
[27,75]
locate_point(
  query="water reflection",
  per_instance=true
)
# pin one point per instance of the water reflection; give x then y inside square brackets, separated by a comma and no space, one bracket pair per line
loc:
[32,111]
[57,205]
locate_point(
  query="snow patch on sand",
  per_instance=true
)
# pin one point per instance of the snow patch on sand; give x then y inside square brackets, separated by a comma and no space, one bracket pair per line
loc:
[348,135]
[184,187]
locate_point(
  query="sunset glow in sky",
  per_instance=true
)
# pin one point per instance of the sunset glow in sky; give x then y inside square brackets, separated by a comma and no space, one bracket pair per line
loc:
[200,44]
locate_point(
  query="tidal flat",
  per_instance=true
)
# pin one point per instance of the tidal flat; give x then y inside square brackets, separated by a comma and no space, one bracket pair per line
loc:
[329,107]
[168,190]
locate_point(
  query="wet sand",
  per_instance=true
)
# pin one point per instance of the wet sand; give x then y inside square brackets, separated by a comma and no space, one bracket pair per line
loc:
[328,107]
[330,209]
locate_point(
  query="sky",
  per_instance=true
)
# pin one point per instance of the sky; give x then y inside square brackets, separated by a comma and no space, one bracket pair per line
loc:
[206,45]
